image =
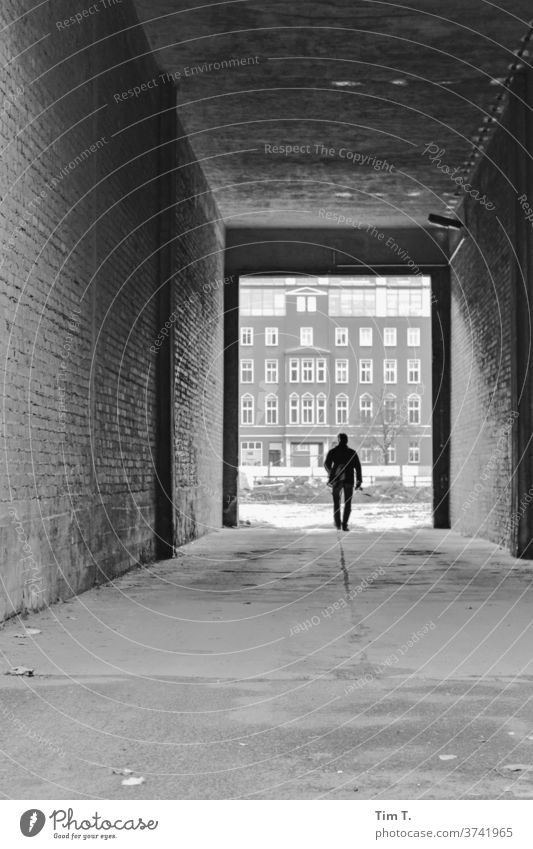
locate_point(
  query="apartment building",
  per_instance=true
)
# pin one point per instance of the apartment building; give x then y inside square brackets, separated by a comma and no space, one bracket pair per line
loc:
[319,355]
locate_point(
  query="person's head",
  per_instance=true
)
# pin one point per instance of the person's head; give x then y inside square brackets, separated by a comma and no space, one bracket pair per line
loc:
[343,439]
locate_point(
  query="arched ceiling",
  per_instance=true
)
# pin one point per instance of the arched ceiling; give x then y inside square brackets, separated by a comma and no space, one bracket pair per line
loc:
[352,83]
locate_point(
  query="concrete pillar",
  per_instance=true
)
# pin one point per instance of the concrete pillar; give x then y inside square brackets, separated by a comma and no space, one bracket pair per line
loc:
[440,332]
[164,359]
[230,483]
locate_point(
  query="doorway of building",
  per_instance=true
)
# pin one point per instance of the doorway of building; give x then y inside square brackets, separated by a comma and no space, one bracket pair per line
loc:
[329,354]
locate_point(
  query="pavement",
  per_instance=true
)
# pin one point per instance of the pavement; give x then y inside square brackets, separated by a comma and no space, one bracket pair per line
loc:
[271,662]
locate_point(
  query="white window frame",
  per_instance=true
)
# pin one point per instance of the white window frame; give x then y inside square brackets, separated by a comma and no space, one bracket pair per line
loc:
[306,337]
[388,334]
[391,453]
[248,445]
[321,370]
[341,371]
[365,337]
[271,371]
[307,370]
[271,337]
[321,409]
[300,303]
[413,455]
[249,409]
[366,407]
[413,371]
[294,408]
[386,419]
[390,372]
[247,332]
[341,415]
[411,409]
[366,454]
[248,367]
[341,337]
[307,409]
[271,409]
[366,367]
[413,337]
[294,370]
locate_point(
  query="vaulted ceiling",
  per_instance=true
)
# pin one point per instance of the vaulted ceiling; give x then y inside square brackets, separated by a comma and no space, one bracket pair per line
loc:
[351,83]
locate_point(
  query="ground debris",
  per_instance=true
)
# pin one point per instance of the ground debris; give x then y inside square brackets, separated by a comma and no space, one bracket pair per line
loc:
[518,767]
[20,670]
[133,781]
[447,757]
[124,771]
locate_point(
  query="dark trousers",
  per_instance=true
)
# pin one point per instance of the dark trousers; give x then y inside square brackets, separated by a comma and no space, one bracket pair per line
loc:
[336,489]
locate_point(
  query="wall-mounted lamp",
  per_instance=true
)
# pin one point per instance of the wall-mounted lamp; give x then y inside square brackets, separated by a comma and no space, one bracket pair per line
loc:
[444,222]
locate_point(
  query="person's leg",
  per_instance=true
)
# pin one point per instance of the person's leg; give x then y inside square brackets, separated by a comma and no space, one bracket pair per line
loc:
[336,492]
[348,492]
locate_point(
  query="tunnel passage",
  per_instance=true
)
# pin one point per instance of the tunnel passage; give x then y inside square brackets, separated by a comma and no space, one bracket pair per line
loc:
[126,223]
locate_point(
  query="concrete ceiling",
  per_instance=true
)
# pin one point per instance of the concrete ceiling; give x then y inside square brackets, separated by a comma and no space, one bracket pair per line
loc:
[378,79]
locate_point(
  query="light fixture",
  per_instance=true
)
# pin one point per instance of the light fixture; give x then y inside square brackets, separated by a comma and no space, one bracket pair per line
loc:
[441,221]
[346,83]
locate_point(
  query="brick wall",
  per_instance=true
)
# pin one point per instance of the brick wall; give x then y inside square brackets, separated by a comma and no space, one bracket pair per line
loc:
[80,297]
[486,408]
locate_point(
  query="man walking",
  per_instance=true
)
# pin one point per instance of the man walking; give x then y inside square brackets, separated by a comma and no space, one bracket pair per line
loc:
[340,464]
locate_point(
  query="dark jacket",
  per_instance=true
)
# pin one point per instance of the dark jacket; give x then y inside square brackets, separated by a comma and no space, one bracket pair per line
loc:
[340,463]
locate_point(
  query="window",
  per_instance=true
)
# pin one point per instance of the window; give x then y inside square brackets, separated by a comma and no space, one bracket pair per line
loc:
[306,303]
[389,337]
[341,371]
[320,371]
[321,409]
[271,410]
[306,336]
[271,335]
[307,409]
[413,337]
[391,453]
[365,408]
[271,371]
[366,455]
[365,371]
[365,336]
[341,336]
[360,301]
[262,302]
[247,371]
[341,409]
[414,452]
[294,371]
[247,336]
[413,371]
[293,409]
[413,409]
[390,371]
[404,301]
[251,454]
[308,371]
[247,410]
[389,409]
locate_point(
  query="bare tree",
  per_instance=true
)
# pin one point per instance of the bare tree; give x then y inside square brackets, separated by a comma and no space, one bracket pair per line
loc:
[387,424]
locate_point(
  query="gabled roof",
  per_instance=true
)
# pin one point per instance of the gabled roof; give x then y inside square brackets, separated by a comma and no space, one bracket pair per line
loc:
[306,290]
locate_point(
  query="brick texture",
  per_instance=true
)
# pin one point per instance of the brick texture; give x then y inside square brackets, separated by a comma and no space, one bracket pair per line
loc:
[485,410]
[81,268]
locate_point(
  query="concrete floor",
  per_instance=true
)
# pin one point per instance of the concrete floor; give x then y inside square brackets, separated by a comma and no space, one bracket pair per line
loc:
[200,674]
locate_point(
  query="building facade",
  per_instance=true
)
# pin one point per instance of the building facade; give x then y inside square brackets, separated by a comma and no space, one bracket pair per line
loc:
[319,355]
